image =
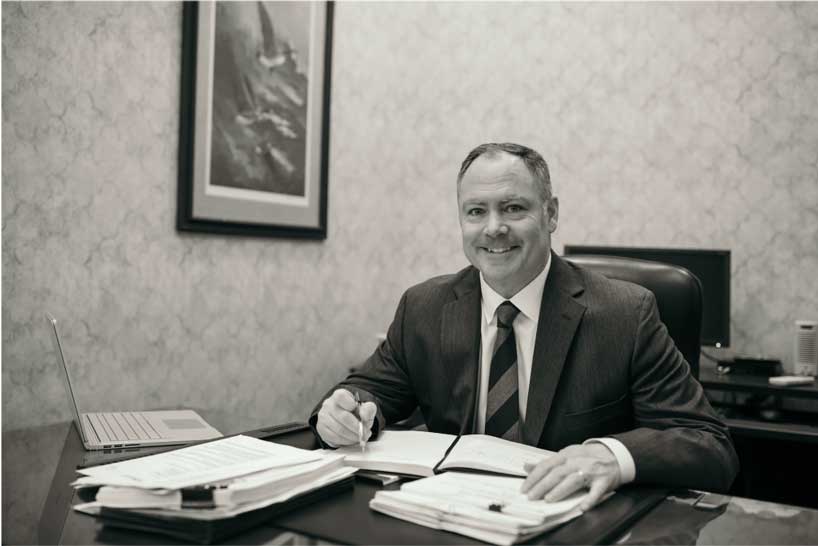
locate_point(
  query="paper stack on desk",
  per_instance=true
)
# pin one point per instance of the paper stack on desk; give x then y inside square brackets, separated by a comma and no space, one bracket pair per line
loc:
[486,507]
[190,492]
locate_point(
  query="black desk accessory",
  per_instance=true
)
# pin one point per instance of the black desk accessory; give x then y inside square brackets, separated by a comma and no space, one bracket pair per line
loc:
[763,366]
[728,361]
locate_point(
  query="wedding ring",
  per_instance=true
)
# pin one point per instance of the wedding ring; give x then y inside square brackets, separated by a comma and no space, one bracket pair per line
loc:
[583,478]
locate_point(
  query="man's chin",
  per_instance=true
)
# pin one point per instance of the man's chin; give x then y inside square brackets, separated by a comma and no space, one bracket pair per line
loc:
[496,276]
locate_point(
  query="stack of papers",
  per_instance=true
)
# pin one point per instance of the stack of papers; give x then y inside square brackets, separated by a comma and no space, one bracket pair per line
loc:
[210,481]
[486,507]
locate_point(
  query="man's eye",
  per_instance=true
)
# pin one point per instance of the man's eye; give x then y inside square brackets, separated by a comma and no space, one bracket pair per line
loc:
[514,208]
[474,212]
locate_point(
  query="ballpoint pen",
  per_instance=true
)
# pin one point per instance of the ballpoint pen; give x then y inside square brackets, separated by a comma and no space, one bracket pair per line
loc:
[360,423]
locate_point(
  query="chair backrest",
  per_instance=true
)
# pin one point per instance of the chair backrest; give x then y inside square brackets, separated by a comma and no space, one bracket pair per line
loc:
[678,296]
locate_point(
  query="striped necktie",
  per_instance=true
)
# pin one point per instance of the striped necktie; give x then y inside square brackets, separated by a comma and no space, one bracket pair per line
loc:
[502,406]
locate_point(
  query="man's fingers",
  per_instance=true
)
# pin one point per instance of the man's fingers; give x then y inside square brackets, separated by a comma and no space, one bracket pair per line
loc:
[339,421]
[549,482]
[338,425]
[537,472]
[344,399]
[335,425]
[332,432]
[346,421]
[570,483]
[368,412]
[325,434]
[598,488]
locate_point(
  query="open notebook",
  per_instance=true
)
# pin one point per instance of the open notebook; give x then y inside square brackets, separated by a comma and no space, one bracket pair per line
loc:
[427,453]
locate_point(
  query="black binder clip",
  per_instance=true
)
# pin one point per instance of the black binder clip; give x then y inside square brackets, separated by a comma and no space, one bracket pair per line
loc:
[199,496]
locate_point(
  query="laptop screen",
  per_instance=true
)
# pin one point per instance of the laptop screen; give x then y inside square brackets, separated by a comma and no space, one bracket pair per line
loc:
[66,377]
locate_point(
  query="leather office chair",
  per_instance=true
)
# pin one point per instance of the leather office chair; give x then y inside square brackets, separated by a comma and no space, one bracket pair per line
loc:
[678,295]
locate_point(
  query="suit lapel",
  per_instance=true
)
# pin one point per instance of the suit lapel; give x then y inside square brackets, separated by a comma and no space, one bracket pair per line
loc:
[560,314]
[461,347]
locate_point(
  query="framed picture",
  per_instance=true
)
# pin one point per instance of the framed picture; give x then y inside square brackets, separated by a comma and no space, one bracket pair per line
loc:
[254,125]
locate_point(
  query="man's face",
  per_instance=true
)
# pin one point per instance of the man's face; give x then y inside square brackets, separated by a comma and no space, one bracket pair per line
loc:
[506,225]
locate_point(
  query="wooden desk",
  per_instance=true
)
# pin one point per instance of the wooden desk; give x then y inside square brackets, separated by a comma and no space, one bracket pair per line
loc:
[40,480]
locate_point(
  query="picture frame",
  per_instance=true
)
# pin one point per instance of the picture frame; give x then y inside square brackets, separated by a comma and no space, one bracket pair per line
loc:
[254,118]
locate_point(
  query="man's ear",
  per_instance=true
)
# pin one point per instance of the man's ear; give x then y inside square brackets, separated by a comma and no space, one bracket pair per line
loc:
[552,210]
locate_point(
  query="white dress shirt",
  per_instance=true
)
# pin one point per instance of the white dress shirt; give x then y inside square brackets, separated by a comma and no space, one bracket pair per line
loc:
[528,300]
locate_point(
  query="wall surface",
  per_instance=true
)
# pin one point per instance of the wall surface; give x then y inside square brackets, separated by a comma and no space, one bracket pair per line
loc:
[684,125]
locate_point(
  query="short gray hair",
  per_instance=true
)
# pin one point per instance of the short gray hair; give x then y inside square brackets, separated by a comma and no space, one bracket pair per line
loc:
[533,161]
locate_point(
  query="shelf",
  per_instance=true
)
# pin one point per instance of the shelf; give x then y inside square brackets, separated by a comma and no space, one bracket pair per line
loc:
[752,383]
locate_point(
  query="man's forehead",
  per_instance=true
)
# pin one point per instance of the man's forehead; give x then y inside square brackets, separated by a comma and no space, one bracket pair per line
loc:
[484,194]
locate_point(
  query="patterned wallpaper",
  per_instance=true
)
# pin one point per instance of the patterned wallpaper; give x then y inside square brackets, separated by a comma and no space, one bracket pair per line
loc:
[686,125]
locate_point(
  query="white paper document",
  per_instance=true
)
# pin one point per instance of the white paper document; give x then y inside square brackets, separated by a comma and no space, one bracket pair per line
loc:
[249,488]
[207,463]
[486,507]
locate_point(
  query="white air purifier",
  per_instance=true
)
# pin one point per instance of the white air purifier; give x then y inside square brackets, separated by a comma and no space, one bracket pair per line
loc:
[805,356]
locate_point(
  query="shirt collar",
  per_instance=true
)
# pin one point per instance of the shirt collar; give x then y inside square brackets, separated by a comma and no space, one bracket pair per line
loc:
[527,300]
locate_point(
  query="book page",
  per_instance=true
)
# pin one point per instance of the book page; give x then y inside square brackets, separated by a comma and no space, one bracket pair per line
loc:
[487,507]
[403,451]
[200,464]
[482,452]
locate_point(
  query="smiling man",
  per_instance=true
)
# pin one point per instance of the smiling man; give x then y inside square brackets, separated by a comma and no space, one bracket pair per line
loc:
[524,346]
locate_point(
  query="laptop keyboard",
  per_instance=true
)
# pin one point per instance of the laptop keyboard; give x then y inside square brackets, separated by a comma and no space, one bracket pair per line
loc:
[122,426]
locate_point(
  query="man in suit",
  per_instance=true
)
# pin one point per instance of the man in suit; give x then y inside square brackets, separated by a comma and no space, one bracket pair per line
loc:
[525,346]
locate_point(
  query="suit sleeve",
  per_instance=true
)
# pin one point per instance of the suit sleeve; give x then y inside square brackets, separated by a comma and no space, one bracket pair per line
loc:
[678,439]
[383,378]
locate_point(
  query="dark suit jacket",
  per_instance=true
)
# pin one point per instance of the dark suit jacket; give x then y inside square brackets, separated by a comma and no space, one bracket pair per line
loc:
[604,365]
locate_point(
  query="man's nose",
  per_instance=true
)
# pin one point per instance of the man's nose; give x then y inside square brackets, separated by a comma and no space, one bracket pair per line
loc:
[495,225]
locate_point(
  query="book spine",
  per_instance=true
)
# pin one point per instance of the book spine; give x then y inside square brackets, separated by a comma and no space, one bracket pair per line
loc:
[437,469]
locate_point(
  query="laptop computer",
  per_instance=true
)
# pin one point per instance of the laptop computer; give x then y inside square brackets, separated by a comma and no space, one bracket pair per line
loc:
[126,429]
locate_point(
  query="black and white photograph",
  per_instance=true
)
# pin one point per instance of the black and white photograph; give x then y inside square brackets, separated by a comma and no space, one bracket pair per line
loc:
[302,272]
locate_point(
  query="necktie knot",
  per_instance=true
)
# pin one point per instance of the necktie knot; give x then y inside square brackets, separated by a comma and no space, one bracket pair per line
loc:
[506,314]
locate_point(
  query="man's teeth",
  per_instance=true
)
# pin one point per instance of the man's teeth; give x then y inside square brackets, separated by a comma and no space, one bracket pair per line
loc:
[498,250]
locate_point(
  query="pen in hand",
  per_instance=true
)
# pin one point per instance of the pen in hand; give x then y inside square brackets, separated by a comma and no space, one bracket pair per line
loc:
[361,441]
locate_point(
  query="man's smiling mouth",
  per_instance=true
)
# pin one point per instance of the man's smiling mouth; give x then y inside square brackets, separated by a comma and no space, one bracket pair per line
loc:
[501,250]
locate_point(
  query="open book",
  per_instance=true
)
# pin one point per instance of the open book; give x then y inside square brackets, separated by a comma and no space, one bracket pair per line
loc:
[428,453]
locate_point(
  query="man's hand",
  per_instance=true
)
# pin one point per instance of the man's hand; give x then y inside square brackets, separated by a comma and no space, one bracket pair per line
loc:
[575,467]
[337,424]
